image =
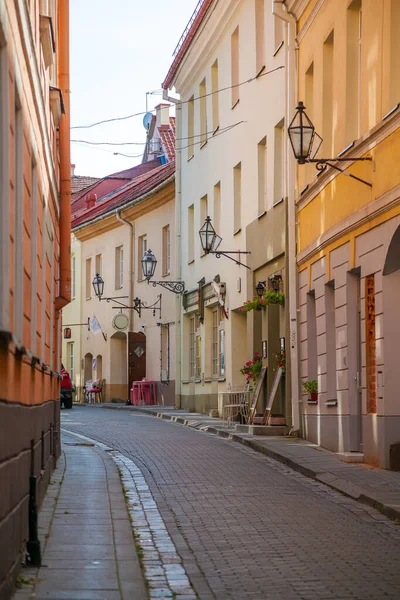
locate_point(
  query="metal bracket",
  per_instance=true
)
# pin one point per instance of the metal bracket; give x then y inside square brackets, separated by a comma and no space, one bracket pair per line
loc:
[177,287]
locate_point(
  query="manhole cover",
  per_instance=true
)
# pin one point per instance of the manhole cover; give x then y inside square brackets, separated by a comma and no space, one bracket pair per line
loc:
[139,351]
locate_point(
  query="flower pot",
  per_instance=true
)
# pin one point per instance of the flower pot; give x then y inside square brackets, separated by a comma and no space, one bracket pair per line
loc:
[314,397]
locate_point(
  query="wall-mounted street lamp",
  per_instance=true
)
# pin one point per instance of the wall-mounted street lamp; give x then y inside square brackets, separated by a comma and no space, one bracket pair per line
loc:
[210,243]
[306,142]
[274,282]
[149,263]
[98,285]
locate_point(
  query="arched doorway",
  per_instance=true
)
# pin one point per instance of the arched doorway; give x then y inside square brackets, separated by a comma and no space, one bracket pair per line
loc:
[118,366]
[99,366]
[88,372]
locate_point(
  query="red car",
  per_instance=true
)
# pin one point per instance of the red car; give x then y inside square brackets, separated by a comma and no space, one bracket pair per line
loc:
[66,389]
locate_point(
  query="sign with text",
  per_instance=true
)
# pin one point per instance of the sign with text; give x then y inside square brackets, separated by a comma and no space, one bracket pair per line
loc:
[257,393]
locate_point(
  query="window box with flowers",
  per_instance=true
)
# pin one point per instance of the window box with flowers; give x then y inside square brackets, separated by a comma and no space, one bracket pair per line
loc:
[270,297]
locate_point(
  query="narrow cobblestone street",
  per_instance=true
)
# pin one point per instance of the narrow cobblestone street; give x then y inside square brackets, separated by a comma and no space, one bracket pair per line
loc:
[245,526]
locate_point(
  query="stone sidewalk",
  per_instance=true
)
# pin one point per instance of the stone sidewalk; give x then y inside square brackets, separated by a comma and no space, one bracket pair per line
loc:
[88,548]
[376,487]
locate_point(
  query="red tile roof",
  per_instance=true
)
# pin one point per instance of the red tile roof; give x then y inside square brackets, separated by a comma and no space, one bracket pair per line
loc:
[186,39]
[134,190]
[80,182]
[107,184]
[167,137]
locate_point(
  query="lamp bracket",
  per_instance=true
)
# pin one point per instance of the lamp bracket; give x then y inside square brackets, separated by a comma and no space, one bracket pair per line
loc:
[321,163]
[177,287]
[139,306]
[219,253]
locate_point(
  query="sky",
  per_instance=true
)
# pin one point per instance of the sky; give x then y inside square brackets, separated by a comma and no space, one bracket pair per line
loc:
[120,49]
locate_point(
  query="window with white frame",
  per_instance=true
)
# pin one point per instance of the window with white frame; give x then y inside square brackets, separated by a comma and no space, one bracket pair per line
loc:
[192,347]
[71,366]
[73,276]
[222,353]
[214,341]
[119,267]
[166,250]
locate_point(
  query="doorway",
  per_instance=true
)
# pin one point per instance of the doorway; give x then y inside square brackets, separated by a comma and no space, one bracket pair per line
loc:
[136,357]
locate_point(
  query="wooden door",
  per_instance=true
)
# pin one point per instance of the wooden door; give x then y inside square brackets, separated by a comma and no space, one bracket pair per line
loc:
[136,357]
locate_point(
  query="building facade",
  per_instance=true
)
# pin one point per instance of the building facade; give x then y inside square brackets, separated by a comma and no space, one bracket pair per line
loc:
[112,232]
[348,236]
[231,155]
[34,256]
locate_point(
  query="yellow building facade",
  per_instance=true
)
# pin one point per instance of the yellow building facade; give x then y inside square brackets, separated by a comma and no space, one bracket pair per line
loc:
[348,252]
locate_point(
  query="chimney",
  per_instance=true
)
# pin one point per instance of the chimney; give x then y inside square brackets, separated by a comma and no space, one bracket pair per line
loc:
[72,170]
[91,200]
[162,115]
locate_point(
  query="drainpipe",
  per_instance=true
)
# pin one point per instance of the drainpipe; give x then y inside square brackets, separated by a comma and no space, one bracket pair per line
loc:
[278,10]
[64,296]
[131,258]
[178,248]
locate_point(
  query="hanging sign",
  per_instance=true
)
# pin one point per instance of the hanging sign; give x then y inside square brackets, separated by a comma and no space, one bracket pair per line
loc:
[95,325]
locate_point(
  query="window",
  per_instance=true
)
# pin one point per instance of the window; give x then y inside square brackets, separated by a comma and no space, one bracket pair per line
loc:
[221,353]
[119,267]
[98,263]
[215,95]
[327,96]
[88,278]
[217,206]
[192,347]
[235,66]
[73,276]
[260,36]
[191,234]
[190,128]
[166,235]
[237,197]
[309,99]
[203,209]
[18,296]
[203,112]
[198,355]
[70,364]
[34,252]
[353,71]
[214,339]
[262,175]
[279,162]
[142,247]
[370,339]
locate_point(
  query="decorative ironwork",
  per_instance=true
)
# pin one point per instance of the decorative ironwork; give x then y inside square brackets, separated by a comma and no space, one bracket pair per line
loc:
[177,287]
[139,306]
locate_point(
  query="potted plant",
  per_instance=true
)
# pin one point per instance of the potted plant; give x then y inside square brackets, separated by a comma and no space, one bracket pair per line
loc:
[251,369]
[312,388]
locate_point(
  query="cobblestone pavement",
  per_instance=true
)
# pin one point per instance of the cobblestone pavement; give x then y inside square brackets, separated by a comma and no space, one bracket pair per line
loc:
[246,526]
